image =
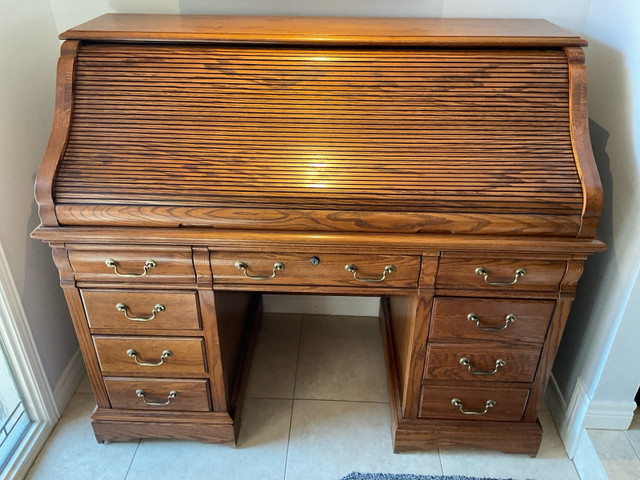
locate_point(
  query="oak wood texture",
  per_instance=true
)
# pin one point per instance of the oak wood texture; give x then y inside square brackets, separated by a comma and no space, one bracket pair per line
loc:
[450,322]
[173,265]
[330,270]
[435,402]
[323,30]
[443,362]
[187,355]
[436,146]
[192,395]
[180,310]
[460,272]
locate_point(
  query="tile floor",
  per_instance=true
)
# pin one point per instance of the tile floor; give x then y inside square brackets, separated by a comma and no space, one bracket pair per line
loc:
[619,451]
[316,408]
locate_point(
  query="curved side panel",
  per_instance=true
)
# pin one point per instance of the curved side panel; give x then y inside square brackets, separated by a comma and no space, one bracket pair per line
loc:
[583,153]
[59,133]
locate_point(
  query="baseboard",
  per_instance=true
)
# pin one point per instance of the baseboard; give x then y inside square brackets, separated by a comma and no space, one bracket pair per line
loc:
[569,418]
[322,305]
[69,381]
[609,415]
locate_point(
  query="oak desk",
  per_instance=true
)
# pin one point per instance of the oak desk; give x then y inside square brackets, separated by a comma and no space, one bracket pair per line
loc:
[444,165]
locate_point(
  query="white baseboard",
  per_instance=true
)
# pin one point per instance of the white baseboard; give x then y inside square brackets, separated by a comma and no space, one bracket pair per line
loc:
[69,381]
[322,305]
[609,415]
[568,418]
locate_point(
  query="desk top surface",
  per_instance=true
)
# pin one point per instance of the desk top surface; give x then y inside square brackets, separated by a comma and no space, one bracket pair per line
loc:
[325,30]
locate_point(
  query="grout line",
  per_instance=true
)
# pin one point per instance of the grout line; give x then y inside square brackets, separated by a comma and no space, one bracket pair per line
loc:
[132,458]
[632,445]
[293,400]
[341,401]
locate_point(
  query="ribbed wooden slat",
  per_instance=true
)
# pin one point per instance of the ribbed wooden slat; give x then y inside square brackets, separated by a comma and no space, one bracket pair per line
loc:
[379,129]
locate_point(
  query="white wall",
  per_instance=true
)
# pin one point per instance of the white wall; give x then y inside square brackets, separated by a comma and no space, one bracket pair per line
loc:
[27,81]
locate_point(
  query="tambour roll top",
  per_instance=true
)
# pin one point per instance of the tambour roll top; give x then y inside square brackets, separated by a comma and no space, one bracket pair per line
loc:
[435,133]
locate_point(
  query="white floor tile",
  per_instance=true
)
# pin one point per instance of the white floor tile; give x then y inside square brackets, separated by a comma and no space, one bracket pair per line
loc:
[633,434]
[260,454]
[551,462]
[85,386]
[273,368]
[330,439]
[341,358]
[616,453]
[72,451]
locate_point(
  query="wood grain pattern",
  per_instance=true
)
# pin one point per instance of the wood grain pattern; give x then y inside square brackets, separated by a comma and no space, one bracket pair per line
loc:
[192,395]
[173,265]
[450,322]
[330,270]
[180,310]
[436,403]
[324,30]
[459,272]
[443,362]
[187,355]
[59,133]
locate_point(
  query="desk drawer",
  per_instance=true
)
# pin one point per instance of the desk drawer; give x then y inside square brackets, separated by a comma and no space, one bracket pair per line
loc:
[320,269]
[499,275]
[151,356]
[141,310]
[132,264]
[480,404]
[456,319]
[159,394]
[488,363]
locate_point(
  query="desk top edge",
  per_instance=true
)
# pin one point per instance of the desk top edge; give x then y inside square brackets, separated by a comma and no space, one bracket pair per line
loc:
[324,30]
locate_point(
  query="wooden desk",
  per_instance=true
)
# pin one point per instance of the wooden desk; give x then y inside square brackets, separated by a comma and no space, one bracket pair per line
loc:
[196,162]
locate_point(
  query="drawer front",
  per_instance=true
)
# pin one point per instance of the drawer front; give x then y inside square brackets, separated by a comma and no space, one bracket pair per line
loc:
[159,394]
[456,319]
[481,363]
[141,310]
[151,356]
[499,275]
[133,264]
[492,404]
[320,269]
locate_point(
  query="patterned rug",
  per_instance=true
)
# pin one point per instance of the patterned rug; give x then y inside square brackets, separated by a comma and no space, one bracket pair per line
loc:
[407,476]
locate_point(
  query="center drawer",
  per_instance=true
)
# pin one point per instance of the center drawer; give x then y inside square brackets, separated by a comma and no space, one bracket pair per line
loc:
[321,269]
[151,356]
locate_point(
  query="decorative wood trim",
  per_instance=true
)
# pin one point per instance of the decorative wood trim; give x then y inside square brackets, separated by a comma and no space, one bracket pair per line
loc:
[230,240]
[59,133]
[583,153]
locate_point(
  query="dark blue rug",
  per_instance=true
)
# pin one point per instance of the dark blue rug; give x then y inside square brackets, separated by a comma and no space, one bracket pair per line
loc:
[408,476]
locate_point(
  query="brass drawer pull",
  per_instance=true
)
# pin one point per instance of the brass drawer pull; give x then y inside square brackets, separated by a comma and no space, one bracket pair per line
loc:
[165,354]
[277,267]
[351,268]
[157,309]
[520,272]
[510,318]
[143,395]
[467,363]
[456,402]
[148,265]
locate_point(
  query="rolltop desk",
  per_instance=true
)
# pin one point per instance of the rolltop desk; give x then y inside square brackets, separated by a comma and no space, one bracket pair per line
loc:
[197,162]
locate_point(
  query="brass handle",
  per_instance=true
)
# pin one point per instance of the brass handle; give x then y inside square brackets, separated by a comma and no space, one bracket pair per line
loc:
[351,268]
[277,267]
[148,265]
[510,318]
[165,354]
[456,402]
[520,272]
[467,363]
[143,395]
[157,309]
